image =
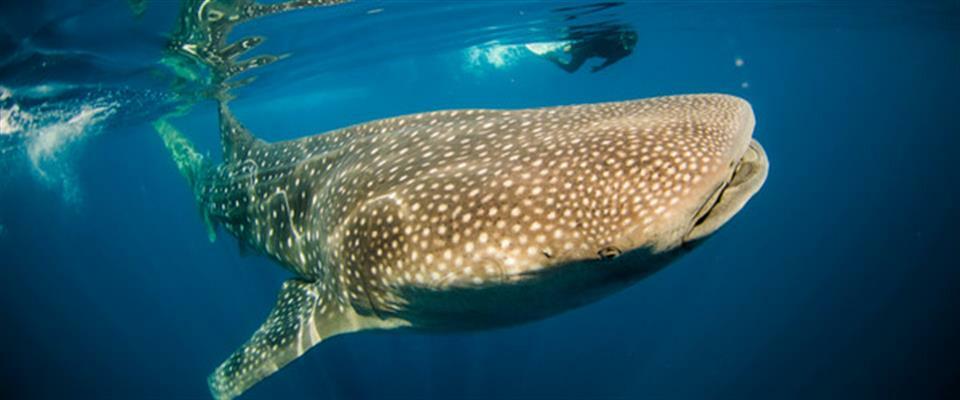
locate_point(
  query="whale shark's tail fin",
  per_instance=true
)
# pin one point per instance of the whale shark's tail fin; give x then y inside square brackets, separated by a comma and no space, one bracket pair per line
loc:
[191,164]
[237,143]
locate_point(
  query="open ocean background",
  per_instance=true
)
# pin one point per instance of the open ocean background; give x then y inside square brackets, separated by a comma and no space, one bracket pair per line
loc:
[838,280]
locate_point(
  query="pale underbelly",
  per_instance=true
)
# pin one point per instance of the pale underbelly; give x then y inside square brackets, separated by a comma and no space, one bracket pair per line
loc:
[537,295]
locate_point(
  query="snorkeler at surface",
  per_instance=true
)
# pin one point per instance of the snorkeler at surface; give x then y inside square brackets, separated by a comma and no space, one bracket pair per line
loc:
[612,45]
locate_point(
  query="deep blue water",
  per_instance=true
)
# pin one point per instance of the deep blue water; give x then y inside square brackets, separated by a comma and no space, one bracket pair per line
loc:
[838,279]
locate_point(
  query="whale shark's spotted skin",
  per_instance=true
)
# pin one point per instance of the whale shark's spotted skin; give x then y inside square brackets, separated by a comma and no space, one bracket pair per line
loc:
[473,218]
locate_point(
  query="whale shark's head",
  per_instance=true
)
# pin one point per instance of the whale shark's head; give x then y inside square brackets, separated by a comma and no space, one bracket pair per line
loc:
[690,168]
[654,174]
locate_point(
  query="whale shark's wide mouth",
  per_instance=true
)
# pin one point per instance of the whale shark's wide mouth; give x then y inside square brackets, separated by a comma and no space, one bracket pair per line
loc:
[729,197]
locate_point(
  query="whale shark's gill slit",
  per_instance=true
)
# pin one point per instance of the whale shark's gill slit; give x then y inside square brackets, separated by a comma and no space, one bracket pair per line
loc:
[367,290]
[297,233]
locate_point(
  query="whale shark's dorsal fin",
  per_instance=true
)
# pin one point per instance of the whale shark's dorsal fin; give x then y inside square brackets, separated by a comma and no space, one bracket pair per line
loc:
[304,315]
[236,140]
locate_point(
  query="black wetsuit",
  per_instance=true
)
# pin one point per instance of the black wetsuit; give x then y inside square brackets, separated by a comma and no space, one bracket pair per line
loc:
[611,45]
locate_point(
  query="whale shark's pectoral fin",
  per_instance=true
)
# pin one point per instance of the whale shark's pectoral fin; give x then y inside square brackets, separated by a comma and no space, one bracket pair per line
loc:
[289,331]
[299,320]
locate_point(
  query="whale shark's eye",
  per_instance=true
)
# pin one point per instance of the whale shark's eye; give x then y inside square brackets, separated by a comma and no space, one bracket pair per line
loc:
[607,253]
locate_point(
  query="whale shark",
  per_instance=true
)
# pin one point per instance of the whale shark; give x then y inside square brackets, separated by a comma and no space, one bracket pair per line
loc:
[469,219]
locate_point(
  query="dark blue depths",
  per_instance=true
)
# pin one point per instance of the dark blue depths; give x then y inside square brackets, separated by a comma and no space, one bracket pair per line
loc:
[837,279]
